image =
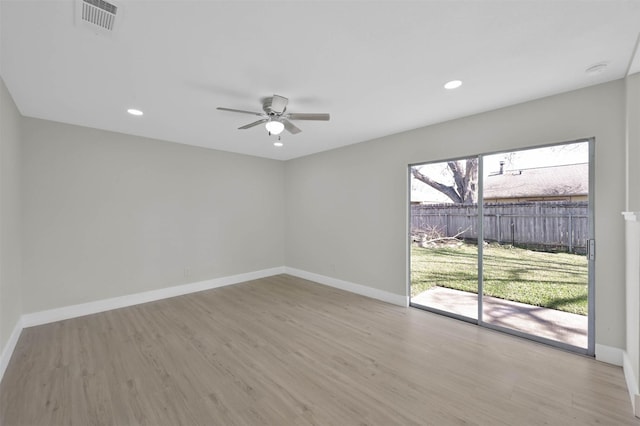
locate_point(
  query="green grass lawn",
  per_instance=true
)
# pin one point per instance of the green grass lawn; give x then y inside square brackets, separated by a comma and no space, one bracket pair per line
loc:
[552,280]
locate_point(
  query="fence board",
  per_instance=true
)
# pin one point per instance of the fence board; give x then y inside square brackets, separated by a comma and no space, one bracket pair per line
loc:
[544,225]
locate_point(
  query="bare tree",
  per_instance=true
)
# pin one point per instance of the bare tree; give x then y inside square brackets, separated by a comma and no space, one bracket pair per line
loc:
[465,181]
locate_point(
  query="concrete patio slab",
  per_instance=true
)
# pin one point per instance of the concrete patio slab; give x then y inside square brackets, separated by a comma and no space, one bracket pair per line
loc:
[548,323]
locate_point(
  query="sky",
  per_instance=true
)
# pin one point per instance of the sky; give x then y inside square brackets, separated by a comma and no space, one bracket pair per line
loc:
[538,157]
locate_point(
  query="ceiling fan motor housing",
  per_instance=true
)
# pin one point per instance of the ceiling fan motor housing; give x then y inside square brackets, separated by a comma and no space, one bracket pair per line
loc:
[275,105]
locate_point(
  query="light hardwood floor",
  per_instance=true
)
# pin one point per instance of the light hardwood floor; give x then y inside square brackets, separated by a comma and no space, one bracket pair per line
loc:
[283,351]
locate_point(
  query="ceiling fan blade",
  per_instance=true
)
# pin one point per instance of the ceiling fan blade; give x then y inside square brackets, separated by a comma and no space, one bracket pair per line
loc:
[291,128]
[240,110]
[308,116]
[255,123]
[279,103]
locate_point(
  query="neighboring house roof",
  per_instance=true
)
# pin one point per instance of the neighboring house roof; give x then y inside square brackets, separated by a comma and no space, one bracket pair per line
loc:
[566,180]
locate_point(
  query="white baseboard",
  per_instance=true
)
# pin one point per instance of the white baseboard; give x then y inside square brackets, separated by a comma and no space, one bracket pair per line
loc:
[9,347]
[632,383]
[59,314]
[609,354]
[362,290]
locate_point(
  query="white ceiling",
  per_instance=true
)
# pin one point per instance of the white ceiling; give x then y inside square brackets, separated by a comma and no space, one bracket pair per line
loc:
[378,67]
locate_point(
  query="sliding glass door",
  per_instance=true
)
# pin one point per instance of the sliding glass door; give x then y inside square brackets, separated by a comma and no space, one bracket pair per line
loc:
[524,218]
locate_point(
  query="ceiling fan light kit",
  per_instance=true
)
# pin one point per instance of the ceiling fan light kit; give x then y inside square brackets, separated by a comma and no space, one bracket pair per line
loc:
[275,117]
[274,127]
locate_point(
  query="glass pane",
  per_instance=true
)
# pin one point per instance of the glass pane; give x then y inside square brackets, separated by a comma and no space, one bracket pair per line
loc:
[536,212]
[444,222]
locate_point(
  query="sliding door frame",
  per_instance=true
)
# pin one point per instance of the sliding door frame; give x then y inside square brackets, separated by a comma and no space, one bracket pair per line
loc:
[590,349]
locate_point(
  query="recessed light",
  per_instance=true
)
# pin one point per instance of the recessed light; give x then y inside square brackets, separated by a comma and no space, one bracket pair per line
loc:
[453,84]
[278,144]
[134,111]
[596,68]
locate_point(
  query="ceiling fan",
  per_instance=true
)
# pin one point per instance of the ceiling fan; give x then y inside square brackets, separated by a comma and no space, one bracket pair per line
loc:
[276,118]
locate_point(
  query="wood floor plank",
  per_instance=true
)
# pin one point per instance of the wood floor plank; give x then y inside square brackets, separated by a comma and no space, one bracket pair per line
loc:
[282,350]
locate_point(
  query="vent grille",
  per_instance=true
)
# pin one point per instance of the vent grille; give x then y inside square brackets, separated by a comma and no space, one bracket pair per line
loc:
[100,13]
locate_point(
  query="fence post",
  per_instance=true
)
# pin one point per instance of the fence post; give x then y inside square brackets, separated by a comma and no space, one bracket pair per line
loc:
[570,233]
[499,228]
[513,233]
[446,218]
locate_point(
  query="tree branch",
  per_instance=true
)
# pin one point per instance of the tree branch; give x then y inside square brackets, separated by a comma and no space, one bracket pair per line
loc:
[449,191]
[455,237]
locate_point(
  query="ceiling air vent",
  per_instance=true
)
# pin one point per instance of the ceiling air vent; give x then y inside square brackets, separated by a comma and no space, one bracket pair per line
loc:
[100,13]
[97,14]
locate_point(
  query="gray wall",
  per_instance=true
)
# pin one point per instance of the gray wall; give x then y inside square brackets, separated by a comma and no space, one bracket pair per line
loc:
[108,214]
[347,208]
[10,217]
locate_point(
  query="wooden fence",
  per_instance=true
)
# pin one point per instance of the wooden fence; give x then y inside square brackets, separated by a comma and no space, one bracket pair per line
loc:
[542,225]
